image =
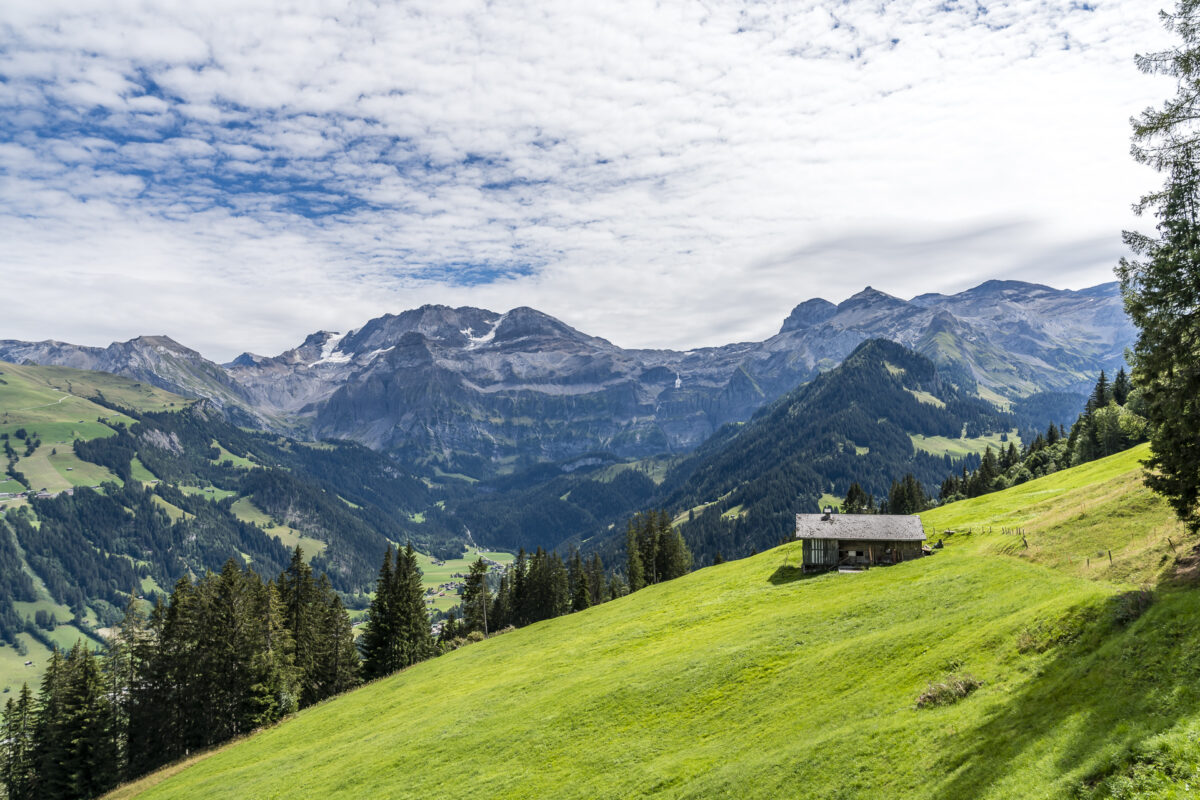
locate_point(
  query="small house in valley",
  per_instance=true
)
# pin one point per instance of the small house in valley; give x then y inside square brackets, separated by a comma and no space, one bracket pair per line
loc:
[858,540]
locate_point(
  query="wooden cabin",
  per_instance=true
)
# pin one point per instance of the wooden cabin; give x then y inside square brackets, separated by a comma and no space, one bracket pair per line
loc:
[858,540]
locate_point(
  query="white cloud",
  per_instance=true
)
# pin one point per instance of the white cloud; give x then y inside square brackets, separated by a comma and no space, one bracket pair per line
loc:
[237,174]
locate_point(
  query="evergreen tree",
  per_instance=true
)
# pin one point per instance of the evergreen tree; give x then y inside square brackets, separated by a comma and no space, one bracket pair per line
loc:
[89,759]
[379,632]
[520,589]
[1162,287]
[1121,387]
[17,769]
[412,621]
[596,581]
[302,613]
[581,598]
[339,666]
[50,741]
[857,500]
[476,598]
[633,557]
[1101,394]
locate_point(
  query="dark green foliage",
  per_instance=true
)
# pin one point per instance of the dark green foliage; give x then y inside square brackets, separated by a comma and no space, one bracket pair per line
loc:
[397,633]
[324,654]
[214,664]
[1162,285]
[17,767]
[857,501]
[476,598]
[660,550]
[907,496]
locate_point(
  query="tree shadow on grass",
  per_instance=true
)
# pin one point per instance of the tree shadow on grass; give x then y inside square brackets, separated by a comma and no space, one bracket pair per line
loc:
[1116,684]
[788,573]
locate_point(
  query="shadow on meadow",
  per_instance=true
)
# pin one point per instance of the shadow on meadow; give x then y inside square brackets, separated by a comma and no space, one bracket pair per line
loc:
[788,573]
[1131,671]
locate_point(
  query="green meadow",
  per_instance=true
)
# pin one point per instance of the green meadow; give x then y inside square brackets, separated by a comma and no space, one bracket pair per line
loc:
[962,446]
[245,510]
[751,679]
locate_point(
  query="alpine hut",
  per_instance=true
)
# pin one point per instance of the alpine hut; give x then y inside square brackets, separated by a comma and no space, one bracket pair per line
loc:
[858,540]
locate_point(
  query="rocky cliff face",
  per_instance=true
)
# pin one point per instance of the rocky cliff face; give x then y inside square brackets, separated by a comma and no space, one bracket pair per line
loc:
[474,389]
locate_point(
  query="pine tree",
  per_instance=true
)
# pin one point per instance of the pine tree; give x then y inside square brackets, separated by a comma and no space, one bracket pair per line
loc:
[1162,287]
[633,558]
[412,619]
[17,768]
[581,598]
[49,745]
[379,631]
[88,759]
[302,615]
[1121,387]
[476,598]
[339,666]
[1101,394]
[597,584]
[520,589]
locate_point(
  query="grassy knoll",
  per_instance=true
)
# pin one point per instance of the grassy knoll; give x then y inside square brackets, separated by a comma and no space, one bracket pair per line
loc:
[748,679]
[959,447]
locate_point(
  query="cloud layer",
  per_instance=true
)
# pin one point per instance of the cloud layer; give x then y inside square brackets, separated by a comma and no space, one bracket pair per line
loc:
[674,174]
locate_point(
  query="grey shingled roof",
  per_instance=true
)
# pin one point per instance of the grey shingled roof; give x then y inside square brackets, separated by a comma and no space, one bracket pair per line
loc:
[873,527]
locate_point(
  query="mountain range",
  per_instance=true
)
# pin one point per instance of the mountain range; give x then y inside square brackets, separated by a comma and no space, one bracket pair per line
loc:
[473,391]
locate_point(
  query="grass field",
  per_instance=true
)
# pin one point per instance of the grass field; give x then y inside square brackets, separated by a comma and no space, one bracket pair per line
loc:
[245,510]
[211,492]
[13,669]
[56,468]
[957,448]
[139,472]
[749,679]
[240,462]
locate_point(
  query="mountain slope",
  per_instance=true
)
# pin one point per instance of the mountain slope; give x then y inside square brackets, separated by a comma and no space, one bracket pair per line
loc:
[475,391]
[748,680]
[855,423]
[98,502]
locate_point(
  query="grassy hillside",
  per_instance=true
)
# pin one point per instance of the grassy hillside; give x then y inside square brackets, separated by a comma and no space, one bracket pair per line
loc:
[748,679]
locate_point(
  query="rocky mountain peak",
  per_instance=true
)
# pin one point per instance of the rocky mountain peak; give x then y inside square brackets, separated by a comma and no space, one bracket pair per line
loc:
[870,297]
[807,314]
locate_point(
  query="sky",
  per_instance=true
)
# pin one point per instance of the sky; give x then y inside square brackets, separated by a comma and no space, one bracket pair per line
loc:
[237,174]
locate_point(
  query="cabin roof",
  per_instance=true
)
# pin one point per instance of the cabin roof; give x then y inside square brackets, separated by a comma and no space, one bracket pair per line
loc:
[863,527]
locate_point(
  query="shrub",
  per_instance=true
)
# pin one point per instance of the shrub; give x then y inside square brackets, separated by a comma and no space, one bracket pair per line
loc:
[1129,606]
[949,691]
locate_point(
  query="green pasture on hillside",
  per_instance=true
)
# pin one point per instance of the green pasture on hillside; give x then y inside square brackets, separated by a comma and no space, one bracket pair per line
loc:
[962,446]
[245,510]
[750,679]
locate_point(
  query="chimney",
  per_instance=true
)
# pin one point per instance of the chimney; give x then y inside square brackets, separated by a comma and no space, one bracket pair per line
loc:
[828,514]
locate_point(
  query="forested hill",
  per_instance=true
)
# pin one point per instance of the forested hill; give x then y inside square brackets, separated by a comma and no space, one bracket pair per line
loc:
[860,422]
[111,487]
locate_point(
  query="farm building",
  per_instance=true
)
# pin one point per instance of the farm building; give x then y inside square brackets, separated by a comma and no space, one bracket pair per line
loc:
[858,540]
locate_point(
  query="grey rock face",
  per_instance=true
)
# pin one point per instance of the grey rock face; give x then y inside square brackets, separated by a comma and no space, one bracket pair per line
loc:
[475,387]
